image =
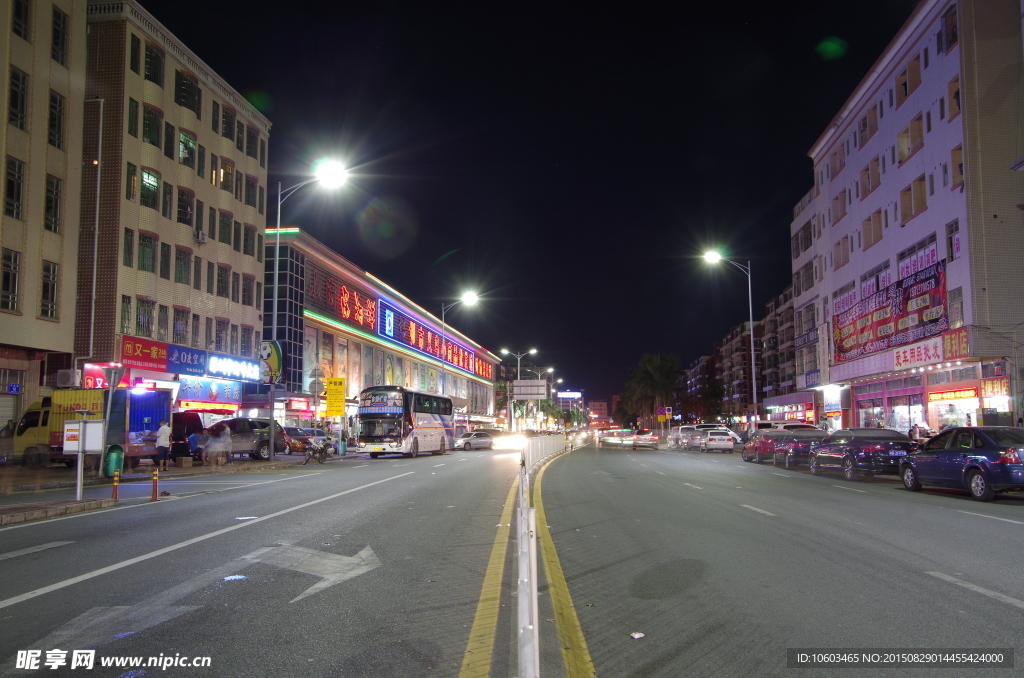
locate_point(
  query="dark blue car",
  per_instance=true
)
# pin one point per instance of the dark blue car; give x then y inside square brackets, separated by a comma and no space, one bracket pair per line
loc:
[983,460]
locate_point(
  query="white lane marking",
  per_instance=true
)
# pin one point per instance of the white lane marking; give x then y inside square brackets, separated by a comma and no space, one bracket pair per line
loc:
[85,514]
[693,486]
[841,487]
[436,465]
[644,465]
[753,508]
[1007,520]
[659,473]
[361,466]
[463,459]
[781,475]
[33,549]
[182,544]
[977,589]
[714,461]
[739,466]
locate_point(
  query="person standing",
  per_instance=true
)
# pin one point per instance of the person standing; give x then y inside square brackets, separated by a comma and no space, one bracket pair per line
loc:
[163,445]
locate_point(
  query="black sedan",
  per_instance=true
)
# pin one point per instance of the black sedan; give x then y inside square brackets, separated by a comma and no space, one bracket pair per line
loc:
[862,451]
[795,447]
[983,460]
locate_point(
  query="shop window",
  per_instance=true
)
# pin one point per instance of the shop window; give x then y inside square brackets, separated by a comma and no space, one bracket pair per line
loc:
[936,378]
[956,308]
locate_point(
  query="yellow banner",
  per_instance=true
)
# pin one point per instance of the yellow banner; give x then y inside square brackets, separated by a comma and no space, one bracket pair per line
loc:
[335,391]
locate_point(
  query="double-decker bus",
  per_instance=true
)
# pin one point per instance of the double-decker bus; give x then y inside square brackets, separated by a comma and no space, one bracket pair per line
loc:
[397,420]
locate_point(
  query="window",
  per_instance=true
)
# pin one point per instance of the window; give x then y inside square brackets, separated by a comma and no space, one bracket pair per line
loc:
[247,286]
[913,200]
[165,261]
[182,266]
[17,101]
[59,42]
[259,248]
[169,139]
[144,311]
[14,187]
[227,175]
[187,92]
[48,291]
[147,252]
[839,207]
[867,126]
[215,117]
[135,56]
[162,323]
[9,279]
[126,312]
[945,174]
[910,139]
[214,172]
[195,330]
[246,348]
[185,206]
[51,211]
[928,121]
[201,162]
[179,330]
[957,158]
[128,252]
[869,178]
[225,228]
[222,336]
[213,223]
[942,108]
[249,240]
[154,65]
[259,201]
[251,139]
[841,253]
[238,237]
[250,190]
[953,240]
[227,123]
[239,181]
[956,308]
[187,148]
[209,277]
[837,161]
[263,153]
[131,181]
[908,81]
[259,295]
[55,133]
[20,18]
[235,284]
[954,97]
[918,256]
[872,227]
[152,125]
[150,194]
[240,136]
[197,273]
[233,346]
[209,334]
[133,117]
[222,281]
[165,207]
[948,34]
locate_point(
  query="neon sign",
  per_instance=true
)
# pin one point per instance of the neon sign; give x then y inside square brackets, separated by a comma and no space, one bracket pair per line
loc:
[408,331]
[343,301]
[237,368]
[953,395]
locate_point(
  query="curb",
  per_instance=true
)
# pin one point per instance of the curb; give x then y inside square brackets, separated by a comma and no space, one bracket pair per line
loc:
[54,511]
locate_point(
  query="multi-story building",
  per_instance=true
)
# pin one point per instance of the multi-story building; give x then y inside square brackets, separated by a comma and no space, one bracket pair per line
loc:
[337,321]
[169,282]
[906,253]
[44,60]
[780,360]
[734,370]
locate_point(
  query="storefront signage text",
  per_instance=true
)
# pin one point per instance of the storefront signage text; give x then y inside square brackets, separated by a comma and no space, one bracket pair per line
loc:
[237,368]
[210,391]
[993,388]
[339,300]
[186,360]
[921,353]
[957,343]
[144,353]
[397,326]
[953,395]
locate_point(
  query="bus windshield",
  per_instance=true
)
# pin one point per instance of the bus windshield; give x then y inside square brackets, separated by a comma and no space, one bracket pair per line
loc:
[382,429]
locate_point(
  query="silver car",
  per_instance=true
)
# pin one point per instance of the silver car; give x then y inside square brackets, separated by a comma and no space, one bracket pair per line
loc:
[474,440]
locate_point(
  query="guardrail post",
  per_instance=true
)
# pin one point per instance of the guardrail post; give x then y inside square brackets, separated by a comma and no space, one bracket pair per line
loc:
[156,475]
[117,480]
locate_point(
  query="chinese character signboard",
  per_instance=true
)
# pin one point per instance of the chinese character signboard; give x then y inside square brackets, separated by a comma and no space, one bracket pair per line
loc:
[919,354]
[408,331]
[956,344]
[144,353]
[339,299]
[905,312]
[961,394]
[995,387]
[93,376]
[335,388]
[209,390]
[186,360]
[232,368]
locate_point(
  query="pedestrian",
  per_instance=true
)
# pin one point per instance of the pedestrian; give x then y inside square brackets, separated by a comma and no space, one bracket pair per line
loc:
[163,445]
[1020,422]
[197,443]
[215,446]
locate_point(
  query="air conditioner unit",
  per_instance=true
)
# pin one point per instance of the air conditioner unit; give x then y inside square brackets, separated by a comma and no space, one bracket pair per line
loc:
[200,237]
[69,378]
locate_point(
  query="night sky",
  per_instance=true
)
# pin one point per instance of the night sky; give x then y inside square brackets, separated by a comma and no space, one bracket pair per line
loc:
[568,162]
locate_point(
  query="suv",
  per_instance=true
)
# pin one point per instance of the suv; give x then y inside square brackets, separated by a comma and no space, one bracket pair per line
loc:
[250,436]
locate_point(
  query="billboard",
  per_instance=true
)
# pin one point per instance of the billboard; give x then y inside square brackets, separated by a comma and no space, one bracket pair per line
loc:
[904,312]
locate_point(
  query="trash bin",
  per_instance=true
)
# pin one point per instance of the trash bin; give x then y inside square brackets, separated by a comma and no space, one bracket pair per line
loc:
[341,447]
[114,460]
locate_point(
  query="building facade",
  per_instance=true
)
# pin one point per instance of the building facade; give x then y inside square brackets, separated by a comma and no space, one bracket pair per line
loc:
[906,251]
[734,370]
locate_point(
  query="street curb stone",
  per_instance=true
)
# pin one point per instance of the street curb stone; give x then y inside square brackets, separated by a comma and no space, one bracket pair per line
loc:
[54,511]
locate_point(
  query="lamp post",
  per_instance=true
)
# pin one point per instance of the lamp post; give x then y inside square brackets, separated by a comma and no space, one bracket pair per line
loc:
[519,361]
[714,258]
[467,299]
[330,174]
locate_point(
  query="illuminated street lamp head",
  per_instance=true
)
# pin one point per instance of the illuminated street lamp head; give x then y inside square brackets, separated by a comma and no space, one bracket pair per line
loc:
[712,257]
[331,173]
[503,351]
[532,351]
[469,298]
[551,369]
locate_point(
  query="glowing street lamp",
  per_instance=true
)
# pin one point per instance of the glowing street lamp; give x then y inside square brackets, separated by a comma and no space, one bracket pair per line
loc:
[714,257]
[519,358]
[467,299]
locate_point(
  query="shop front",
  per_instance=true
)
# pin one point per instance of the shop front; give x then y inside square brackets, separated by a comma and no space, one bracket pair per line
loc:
[799,406]
[954,395]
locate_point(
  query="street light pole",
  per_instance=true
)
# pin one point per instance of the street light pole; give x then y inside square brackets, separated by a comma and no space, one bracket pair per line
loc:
[714,258]
[519,358]
[468,299]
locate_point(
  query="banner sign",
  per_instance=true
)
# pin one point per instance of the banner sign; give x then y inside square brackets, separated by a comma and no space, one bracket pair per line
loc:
[995,387]
[144,353]
[209,390]
[905,312]
[961,394]
[956,344]
[335,387]
[271,362]
[186,360]
[93,376]
[236,368]
[919,354]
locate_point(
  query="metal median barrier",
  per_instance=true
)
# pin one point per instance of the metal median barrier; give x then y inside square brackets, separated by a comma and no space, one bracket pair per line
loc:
[534,452]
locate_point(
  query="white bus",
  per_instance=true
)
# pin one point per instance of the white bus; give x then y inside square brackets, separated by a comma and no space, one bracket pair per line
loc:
[397,420]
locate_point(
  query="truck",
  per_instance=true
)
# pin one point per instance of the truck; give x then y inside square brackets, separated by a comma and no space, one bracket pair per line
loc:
[134,419]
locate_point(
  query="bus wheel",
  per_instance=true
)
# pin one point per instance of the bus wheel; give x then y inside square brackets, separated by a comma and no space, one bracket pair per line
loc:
[374,455]
[415,448]
[440,451]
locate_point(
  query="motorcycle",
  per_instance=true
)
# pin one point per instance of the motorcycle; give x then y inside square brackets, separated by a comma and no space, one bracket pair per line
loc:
[318,450]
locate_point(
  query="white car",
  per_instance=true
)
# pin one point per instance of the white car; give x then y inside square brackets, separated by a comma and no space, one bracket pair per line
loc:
[679,436]
[718,439]
[697,435]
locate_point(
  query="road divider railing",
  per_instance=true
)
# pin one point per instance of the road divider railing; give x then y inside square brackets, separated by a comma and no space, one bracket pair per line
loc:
[535,451]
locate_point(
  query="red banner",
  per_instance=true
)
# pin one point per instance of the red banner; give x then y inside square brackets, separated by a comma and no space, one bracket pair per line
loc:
[956,344]
[907,311]
[145,353]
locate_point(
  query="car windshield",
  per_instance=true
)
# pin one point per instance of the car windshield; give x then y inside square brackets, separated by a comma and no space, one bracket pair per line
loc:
[806,434]
[466,435]
[1005,436]
[875,433]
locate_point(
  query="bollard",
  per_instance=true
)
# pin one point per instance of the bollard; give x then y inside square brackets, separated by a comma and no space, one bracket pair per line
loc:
[117,479]
[155,479]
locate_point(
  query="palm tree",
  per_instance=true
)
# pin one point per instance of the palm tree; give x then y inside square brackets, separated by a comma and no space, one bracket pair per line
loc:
[651,385]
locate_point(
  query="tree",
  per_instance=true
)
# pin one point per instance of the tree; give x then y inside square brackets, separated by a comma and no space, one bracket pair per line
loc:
[651,385]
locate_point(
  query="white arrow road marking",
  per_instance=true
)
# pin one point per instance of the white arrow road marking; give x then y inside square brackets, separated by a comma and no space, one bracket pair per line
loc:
[752,508]
[977,589]
[33,549]
[331,569]
[841,487]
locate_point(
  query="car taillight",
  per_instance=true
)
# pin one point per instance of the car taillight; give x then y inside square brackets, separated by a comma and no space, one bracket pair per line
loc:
[1010,456]
[872,449]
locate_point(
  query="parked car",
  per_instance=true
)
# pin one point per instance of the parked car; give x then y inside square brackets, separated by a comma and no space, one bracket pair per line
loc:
[761,444]
[299,438]
[718,439]
[692,441]
[251,436]
[474,440]
[983,460]
[858,451]
[643,438]
[795,447]
[678,434]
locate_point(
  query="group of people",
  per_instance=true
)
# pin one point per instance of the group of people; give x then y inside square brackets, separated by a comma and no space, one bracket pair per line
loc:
[212,445]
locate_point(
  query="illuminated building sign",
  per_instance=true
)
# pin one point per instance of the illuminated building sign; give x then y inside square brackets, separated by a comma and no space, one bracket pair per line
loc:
[570,395]
[196,405]
[186,360]
[298,404]
[960,394]
[94,377]
[399,327]
[235,368]
[144,353]
[339,299]
[211,392]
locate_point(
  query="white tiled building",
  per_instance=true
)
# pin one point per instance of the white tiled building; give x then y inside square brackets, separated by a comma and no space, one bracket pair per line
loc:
[908,284]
